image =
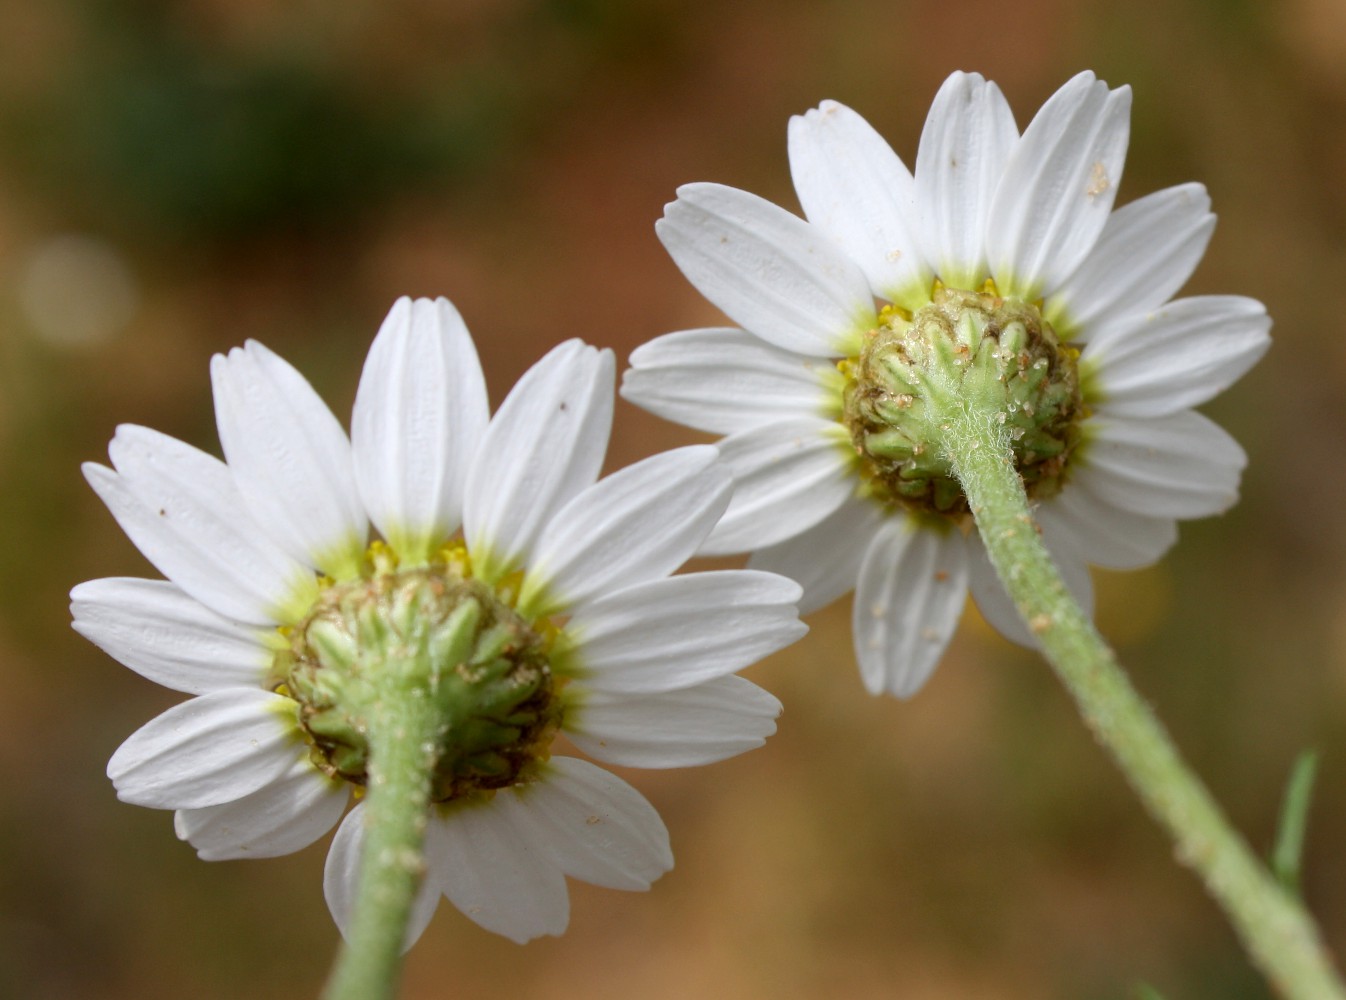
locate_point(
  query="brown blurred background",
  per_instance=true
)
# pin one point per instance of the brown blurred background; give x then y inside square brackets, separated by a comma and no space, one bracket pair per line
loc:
[177,177]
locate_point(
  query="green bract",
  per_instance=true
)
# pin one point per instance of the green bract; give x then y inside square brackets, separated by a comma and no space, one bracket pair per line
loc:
[433,633]
[992,355]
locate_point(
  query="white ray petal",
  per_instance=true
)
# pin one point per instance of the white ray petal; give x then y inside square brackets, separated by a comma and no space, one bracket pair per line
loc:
[767,270]
[492,865]
[420,414]
[725,380]
[1146,252]
[638,524]
[1179,466]
[854,188]
[545,444]
[682,630]
[825,559]
[280,818]
[788,476]
[594,826]
[159,632]
[212,749]
[708,722]
[1058,187]
[289,458]
[968,136]
[1181,355]
[908,598]
[1104,534]
[181,509]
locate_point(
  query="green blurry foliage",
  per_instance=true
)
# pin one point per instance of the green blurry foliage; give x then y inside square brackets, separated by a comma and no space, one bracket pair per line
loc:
[155,133]
[164,134]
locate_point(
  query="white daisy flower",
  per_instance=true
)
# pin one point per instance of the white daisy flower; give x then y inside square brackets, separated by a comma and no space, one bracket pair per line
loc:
[995,228]
[262,554]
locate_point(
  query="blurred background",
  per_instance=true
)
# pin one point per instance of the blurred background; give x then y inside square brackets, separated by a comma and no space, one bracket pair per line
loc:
[176,177]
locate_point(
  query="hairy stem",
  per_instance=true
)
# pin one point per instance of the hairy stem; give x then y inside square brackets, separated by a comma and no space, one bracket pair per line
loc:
[403,730]
[1275,929]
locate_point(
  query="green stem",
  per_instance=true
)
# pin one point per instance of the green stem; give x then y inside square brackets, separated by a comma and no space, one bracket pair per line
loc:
[1275,928]
[402,725]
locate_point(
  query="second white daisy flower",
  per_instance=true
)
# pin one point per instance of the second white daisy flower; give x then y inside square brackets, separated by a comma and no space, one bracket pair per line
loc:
[1016,229]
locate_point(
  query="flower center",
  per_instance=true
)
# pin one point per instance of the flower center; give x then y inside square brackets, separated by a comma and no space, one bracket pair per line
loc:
[973,350]
[435,633]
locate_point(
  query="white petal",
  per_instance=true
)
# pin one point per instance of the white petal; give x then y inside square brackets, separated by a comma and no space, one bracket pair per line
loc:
[181,509]
[1179,466]
[545,444]
[213,749]
[994,602]
[289,458]
[420,414]
[1178,356]
[282,817]
[594,826]
[490,861]
[725,380]
[341,880]
[788,476]
[825,560]
[683,630]
[968,136]
[638,524]
[1104,534]
[909,596]
[1146,252]
[855,189]
[159,632]
[1058,187]
[686,728]
[769,271]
